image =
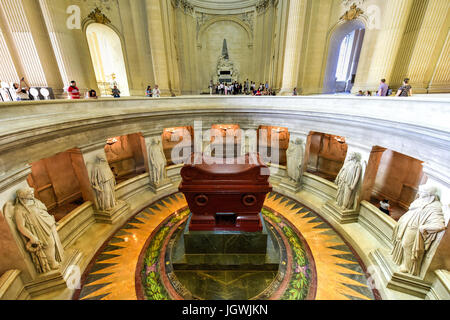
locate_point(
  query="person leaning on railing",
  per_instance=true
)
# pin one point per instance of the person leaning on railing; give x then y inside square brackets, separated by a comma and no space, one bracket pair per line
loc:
[405,90]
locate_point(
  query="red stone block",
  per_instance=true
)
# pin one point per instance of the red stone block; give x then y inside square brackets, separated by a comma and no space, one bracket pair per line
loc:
[225,197]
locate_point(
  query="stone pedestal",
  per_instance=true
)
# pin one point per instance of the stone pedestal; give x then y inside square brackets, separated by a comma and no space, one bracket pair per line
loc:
[164,185]
[340,215]
[290,185]
[225,250]
[392,278]
[57,279]
[111,216]
[225,242]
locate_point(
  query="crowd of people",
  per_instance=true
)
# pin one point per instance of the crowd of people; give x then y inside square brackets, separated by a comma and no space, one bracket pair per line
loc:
[22,90]
[384,91]
[238,88]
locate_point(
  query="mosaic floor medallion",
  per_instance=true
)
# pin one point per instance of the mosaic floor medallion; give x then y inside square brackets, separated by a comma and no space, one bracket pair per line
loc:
[313,261]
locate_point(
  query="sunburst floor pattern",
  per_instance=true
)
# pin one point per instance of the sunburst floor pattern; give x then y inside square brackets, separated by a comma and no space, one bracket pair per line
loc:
[135,264]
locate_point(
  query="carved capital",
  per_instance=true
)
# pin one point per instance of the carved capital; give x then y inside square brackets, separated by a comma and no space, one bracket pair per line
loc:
[99,17]
[353,13]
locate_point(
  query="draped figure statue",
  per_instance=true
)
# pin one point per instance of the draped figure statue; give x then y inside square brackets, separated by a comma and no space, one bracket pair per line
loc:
[157,162]
[417,230]
[294,155]
[38,230]
[348,181]
[104,183]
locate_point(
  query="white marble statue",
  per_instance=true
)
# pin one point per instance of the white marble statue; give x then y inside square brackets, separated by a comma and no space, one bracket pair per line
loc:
[294,156]
[38,230]
[157,162]
[104,183]
[348,181]
[417,229]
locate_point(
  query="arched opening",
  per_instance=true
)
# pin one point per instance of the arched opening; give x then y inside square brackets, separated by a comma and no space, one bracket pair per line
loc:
[107,57]
[343,57]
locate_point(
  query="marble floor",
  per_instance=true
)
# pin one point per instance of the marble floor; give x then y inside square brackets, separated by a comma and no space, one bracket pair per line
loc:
[135,263]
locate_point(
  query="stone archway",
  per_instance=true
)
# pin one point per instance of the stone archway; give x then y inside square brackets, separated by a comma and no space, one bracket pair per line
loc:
[344,48]
[107,58]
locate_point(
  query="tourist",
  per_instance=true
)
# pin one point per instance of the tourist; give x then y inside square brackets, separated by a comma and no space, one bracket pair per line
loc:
[384,206]
[149,92]
[368,93]
[295,93]
[115,92]
[360,93]
[23,93]
[267,85]
[156,92]
[92,94]
[74,92]
[211,88]
[383,89]
[405,90]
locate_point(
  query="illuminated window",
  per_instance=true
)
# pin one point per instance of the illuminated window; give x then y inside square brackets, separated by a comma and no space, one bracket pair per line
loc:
[345,54]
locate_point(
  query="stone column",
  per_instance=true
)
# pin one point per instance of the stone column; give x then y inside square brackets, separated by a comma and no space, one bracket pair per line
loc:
[139,16]
[43,44]
[157,44]
[89,155]
[428,45]
[24,51]
[396,14]
[70,46]
[294,40]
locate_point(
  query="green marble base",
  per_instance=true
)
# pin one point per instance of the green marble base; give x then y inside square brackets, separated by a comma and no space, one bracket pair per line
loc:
[225,242]
[220,251]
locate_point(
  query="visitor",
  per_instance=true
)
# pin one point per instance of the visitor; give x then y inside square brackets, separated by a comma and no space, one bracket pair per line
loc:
[156,92]
[23,93]
[295,93]
[92,94]
[115,92]
[267,85]
[405,90]
[385,207]
[74,92]
[360,93]
[368,93]
[210,87]
[258,93]
[149,92]
[383,89]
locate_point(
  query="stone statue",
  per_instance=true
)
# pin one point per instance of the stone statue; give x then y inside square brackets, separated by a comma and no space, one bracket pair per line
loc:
[294,155]
[38,230]
[157,162]
[417,229]
[348,181]
[104,183]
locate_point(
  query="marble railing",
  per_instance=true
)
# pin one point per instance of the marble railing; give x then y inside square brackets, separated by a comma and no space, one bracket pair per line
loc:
[30,131]
[415,127]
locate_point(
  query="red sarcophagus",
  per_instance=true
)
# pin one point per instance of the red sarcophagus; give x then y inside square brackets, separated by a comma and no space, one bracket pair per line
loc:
[225,197]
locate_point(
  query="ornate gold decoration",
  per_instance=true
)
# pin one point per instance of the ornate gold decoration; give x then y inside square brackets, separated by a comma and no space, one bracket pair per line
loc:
[99,17]
[353,13]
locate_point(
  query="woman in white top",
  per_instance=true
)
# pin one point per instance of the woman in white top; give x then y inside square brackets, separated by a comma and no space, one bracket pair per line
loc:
[156,92]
